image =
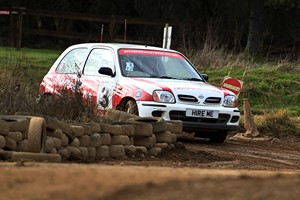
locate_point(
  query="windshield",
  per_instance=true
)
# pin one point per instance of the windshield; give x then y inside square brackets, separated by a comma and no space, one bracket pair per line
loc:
[156,64]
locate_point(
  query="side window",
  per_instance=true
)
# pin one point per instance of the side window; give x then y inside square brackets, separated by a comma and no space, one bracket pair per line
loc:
[71,62]
[98,58]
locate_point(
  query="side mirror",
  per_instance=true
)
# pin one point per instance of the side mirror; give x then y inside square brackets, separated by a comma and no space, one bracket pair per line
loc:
[106,71]
[205,77]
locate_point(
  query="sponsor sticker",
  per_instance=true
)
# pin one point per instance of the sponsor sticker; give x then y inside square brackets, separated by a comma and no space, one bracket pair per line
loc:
[129,66]
[150,53]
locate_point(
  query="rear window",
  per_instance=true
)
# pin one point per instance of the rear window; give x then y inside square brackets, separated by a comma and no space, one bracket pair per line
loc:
[71,62]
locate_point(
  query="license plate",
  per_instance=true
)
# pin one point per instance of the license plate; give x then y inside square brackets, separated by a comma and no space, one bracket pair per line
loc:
[214,114]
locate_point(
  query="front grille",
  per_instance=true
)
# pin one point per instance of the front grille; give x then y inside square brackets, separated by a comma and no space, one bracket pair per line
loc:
[180,115]
[214,100]
[188,98]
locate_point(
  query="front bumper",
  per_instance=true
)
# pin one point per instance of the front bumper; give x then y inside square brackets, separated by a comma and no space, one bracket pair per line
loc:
[228,119]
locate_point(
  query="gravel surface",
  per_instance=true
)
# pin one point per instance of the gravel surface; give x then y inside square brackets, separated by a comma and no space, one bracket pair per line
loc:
[195,169]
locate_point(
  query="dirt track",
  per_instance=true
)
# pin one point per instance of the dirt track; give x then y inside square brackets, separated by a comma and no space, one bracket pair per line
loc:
[197,169]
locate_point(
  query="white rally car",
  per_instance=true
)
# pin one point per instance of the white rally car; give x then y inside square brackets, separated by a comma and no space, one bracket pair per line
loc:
[146,81]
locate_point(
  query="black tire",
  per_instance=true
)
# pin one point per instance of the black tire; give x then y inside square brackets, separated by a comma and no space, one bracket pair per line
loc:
[44,99]
[130,107]
[214,137]
[218,137]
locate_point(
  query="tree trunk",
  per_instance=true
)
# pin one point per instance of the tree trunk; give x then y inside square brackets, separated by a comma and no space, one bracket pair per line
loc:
[256,27]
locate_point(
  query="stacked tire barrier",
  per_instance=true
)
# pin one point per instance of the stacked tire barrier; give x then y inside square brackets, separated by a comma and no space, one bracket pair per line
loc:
[117,135]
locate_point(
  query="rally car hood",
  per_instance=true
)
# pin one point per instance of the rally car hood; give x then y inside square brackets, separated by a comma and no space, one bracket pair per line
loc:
[180,88]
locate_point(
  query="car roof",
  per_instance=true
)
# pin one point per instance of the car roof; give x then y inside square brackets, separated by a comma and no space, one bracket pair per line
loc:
[117,46]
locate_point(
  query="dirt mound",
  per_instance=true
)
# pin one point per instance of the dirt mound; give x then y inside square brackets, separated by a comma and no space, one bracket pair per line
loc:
[179,157]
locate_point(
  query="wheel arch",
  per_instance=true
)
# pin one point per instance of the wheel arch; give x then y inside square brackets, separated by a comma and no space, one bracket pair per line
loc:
[123,102]
[129,105]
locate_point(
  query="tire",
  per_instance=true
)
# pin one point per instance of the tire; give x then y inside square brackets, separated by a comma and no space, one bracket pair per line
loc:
[164,137]
[16,123]
[140,128]
[117,151]
[118,115]
[158,123]
[130,107]
[36,135]
[4,128]
[54,124]
[37,157]
[2,142]
[147,142]
[214,137]
[120,139]
[218,137]
[44,99]
[176,126]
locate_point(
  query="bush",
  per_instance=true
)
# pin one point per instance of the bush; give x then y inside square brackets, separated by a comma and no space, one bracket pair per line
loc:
[278,124]
[15,94]
[20,94]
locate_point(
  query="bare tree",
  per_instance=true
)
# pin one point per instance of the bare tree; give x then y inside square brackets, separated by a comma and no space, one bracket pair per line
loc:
[256,27]
[257,22]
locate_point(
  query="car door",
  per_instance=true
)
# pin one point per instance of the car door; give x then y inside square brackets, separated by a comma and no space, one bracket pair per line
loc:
[98,86]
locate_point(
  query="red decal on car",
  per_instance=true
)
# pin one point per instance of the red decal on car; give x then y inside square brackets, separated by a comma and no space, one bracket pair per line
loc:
[163,87]
[149,53]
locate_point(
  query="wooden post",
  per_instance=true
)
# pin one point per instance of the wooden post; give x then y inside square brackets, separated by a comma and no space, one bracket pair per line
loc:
[111,28]
[19,28]
[125,30]
[166,36]
[297,48]
[12,30]
[101,34]
[249,124]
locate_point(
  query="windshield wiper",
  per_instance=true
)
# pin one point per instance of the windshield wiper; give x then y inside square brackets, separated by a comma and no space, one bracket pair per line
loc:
[164,77]
[193,79]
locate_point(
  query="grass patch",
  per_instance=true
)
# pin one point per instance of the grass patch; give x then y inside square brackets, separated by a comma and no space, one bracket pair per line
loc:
[269,86]
[32,63]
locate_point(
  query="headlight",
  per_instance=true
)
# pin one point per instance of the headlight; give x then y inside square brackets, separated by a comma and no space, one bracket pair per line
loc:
[163,96]
[230,101]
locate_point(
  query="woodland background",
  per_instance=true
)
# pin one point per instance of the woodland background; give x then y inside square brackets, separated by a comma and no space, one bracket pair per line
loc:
[264,27]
